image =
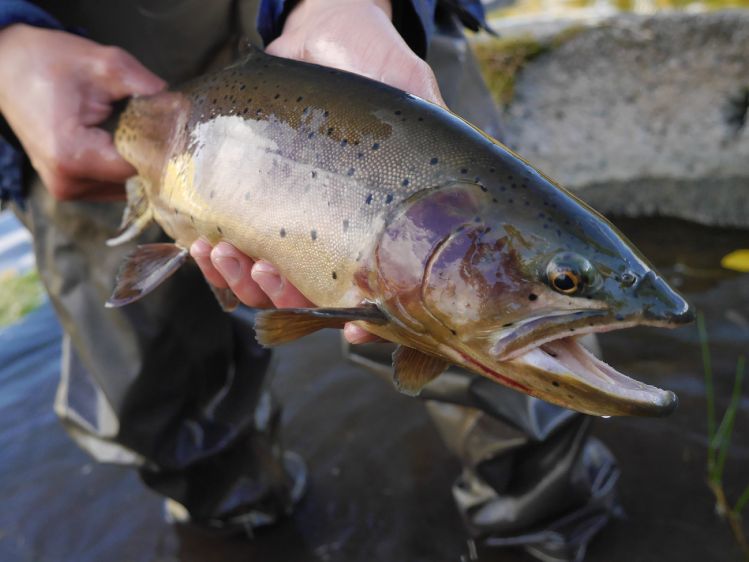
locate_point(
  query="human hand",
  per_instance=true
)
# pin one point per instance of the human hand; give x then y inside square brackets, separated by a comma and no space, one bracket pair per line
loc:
[55,88]
[331,33]
[320,32]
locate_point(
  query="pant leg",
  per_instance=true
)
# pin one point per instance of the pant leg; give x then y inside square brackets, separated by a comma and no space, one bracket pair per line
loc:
[170,384]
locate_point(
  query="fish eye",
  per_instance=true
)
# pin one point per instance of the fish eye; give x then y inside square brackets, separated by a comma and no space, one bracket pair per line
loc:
[564,281]
[570,273]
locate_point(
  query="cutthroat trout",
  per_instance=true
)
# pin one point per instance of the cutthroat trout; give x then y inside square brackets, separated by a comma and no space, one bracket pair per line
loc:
[390,211]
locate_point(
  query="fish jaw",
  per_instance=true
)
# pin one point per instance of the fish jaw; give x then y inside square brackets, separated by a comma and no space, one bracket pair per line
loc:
[565,373]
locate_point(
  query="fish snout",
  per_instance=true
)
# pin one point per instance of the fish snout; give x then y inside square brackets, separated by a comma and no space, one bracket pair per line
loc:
[663,305]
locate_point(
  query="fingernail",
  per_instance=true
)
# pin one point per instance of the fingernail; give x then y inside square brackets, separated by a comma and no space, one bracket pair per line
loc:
[229,268]
[200,249]
[265,275]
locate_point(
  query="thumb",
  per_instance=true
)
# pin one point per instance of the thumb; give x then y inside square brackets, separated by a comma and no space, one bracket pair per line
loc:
[121,75]
[95,157]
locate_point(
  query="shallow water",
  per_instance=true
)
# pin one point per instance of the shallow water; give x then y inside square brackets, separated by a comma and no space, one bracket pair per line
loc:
[380,477]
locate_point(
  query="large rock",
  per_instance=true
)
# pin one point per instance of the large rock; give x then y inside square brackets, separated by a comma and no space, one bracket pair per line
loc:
[643,115]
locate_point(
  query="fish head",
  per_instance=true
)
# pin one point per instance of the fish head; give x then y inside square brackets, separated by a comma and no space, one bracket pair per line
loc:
[508,294]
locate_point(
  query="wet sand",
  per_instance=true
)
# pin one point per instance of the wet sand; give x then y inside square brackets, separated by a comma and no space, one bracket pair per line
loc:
[379,475]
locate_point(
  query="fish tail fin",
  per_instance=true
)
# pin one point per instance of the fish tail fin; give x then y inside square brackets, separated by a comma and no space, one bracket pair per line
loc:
[137,215]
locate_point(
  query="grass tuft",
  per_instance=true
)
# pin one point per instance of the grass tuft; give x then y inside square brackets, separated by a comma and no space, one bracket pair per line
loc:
[19,295]
[719,440]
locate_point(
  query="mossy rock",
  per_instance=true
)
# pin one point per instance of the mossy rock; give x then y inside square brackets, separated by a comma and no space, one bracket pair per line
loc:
[502,58]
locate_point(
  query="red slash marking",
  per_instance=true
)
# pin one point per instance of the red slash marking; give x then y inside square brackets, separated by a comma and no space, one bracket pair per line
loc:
[509,382]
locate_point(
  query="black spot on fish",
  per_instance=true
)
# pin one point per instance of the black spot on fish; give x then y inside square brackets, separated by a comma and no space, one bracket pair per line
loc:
[389,198]
[276,96]
[546,226]
[300,98]
[434,161]
[313,234]
[507,324]
[398,112]
[555,383]
[310,135]
[532,297]
[453,332]
[345,225]
[282,233]
[368,200]
[350,172]
[218,229]
[258,111]
[242,87]
[360,155]
[483,188]
[464,170]
[476,219]
[212,194]
[247,196]
[541,215]
[510,200]
[405,182]
[492,170]
[192,219]
[335,275]
[619,317]
[376,146]
[344,142]
[420,119]
[325,113]
[494,200]
[330,131]
[313,174]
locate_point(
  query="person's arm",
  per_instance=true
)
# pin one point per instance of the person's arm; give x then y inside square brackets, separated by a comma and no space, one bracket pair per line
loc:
[353,35]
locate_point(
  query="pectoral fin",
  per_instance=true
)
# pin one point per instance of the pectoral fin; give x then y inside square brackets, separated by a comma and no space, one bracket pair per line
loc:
[137,215]
[414,369]
[277,326]
[144,270]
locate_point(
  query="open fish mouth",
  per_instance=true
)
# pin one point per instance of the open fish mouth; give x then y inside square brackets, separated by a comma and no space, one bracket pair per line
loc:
[564,372]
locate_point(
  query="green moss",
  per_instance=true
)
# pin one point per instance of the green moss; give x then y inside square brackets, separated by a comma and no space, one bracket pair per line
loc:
[19,295]
[500,61]
[503,58]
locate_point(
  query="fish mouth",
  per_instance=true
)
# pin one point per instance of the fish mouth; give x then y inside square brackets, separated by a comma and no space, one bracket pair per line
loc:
[543,357]
[564,372]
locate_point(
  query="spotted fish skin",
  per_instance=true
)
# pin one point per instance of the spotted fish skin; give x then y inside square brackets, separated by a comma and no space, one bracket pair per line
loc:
[361,193]
[250,140]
